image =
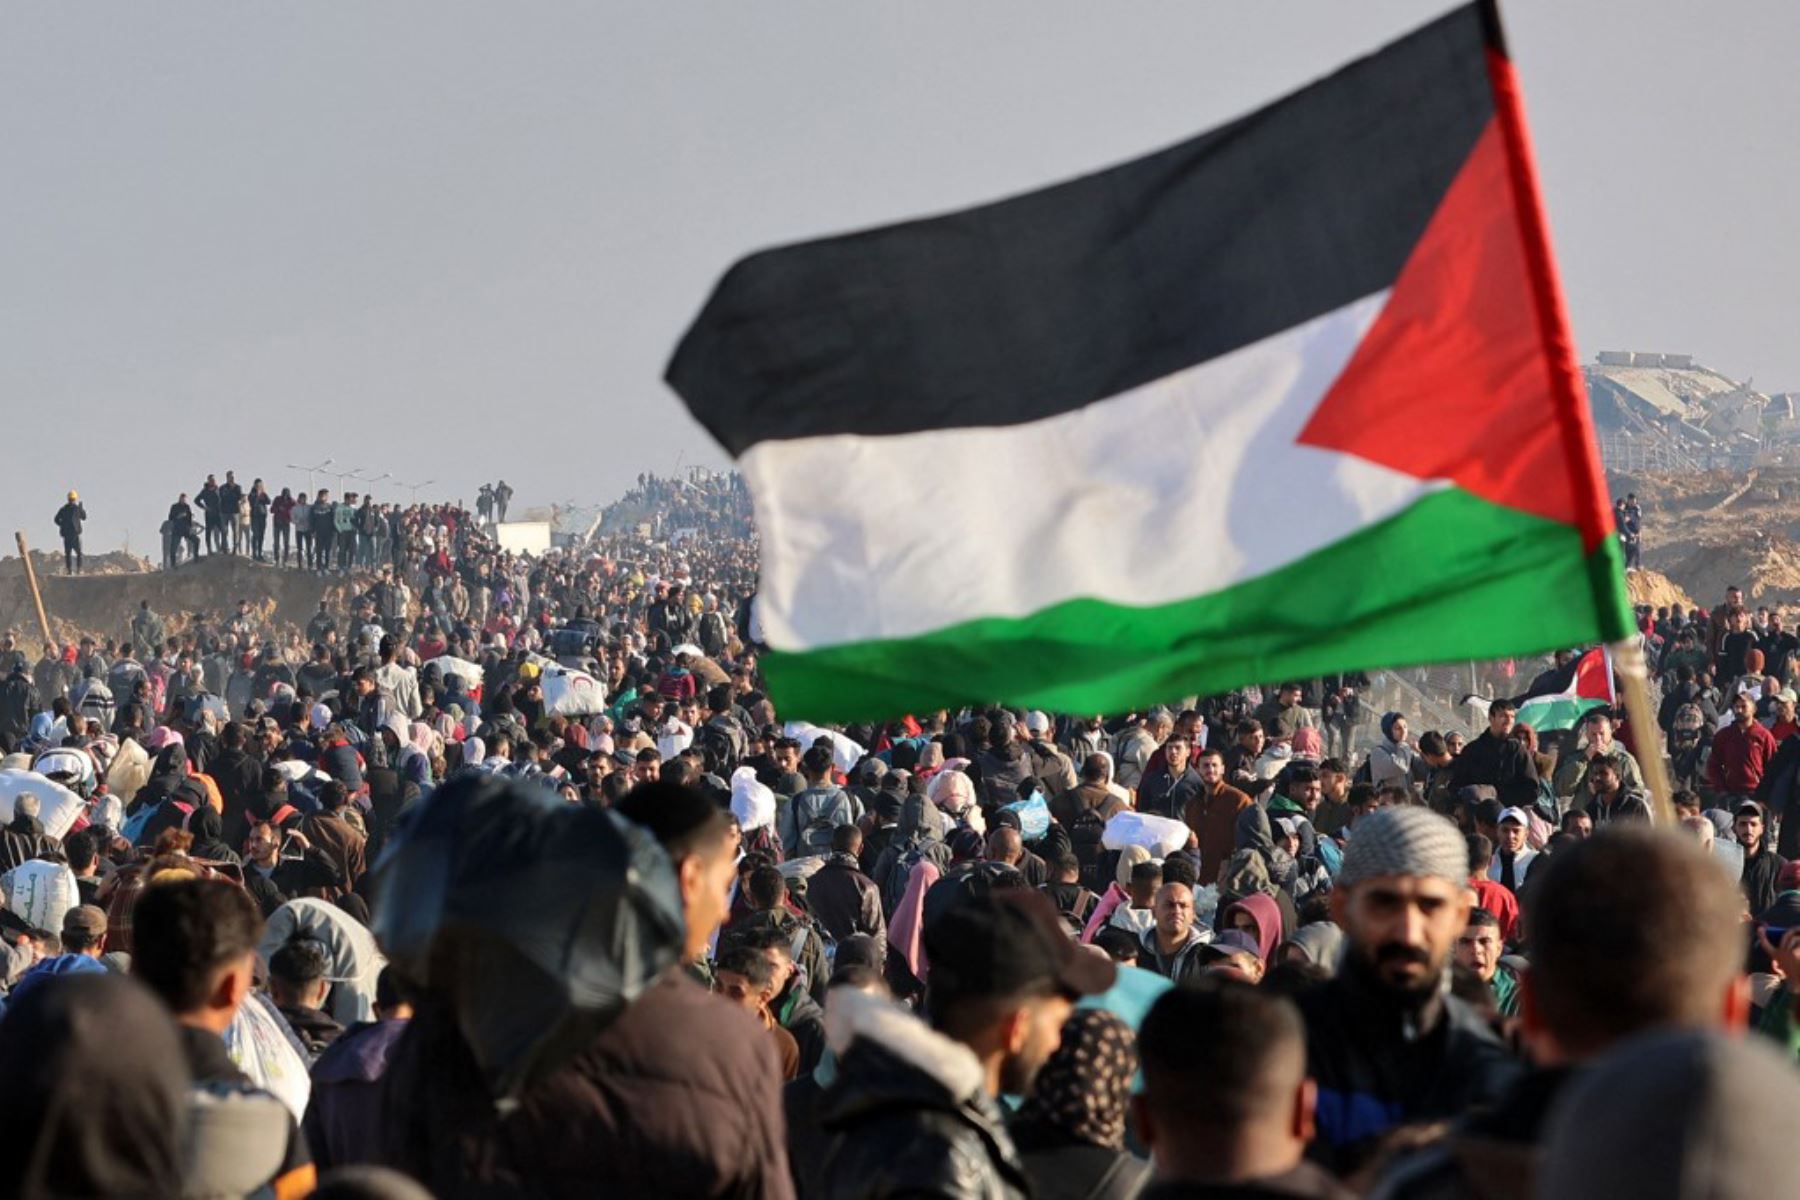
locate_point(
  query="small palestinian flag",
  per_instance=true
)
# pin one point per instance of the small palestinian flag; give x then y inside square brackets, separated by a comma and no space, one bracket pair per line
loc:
[1291,398]
[1584,684]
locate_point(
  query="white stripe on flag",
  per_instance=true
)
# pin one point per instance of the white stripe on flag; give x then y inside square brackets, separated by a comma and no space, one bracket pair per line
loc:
[1168,491]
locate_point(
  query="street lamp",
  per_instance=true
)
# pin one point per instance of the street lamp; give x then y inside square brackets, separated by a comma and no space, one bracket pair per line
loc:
[414,488]
[311,471]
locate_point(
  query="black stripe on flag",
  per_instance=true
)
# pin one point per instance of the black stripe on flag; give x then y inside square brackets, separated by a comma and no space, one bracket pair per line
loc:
[1041,304]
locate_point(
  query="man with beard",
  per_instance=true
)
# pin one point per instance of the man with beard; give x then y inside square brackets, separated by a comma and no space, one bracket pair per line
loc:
[914,1110]
[1386,1041]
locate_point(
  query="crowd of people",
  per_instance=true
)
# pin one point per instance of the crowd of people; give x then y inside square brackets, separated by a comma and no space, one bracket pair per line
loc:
[308,530]
[1205,950]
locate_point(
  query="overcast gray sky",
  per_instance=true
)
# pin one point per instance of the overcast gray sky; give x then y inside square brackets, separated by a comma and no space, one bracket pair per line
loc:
[458,240]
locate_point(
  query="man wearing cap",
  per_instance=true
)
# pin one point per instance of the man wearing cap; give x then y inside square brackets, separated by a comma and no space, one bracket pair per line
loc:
[1049,763]
[1232,954]
[83,942]
[914,1109]
[1386,1041]
[1512,857]
[68,523]
[1762,866]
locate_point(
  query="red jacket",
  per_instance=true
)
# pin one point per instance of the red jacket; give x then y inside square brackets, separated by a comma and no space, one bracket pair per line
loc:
[1739,757]
[1500,901]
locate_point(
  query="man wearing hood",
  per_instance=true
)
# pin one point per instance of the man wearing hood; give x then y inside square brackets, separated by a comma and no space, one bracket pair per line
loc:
[678,1096]
[1386,1042]
[920,836]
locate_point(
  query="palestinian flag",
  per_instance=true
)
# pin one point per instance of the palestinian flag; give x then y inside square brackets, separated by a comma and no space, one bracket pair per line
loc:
[1584,684]
[1294,397]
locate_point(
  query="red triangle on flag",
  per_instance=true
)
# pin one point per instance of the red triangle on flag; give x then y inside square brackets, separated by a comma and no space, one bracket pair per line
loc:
[1456,379]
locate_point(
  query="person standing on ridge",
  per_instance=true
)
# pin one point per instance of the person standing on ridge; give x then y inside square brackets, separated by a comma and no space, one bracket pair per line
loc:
[68,523]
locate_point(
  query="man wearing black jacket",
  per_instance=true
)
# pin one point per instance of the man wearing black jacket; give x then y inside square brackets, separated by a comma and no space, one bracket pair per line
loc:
[231,495]
[180,533]
[213,513]
[1165,790]
[915,1108]
[1632,931]
[68,523]
[1386,1041]
[1498,760]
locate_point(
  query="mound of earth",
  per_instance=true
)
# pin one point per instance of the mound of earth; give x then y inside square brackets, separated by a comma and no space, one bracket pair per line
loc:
[1656,589]
[100,605]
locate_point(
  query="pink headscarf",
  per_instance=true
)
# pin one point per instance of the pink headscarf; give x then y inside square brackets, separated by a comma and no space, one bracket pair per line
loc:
[906,928]
[1308,743]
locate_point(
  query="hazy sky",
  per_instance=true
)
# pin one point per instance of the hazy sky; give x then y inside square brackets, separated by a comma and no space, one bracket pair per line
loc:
[457,240]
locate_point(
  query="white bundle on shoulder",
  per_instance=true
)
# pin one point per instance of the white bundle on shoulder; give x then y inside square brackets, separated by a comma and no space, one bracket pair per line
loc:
[752,803]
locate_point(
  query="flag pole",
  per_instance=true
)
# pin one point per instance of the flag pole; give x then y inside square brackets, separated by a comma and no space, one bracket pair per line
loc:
[1646,734]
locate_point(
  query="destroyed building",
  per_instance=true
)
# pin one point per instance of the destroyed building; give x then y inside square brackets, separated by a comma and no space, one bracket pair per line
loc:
[1666,412]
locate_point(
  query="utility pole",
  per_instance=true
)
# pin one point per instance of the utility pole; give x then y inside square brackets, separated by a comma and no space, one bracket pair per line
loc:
[37,597]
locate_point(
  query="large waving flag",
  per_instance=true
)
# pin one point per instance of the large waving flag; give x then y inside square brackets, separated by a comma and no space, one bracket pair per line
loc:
[1293,397]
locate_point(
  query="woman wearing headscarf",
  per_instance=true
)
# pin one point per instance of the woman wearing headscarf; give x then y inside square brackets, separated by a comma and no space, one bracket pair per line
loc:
[1070,1132]
[1391,760]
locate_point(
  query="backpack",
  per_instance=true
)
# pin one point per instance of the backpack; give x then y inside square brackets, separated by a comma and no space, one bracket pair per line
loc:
[718,747]
[816,835]
[893,884]
[1686,727]
[1085,832]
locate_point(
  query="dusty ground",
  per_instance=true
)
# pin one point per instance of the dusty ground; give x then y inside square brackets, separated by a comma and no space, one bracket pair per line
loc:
[101,604]
[1705,531]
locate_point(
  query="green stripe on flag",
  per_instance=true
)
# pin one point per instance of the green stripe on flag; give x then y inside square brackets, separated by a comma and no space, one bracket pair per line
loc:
[1546,714]
[1451,577]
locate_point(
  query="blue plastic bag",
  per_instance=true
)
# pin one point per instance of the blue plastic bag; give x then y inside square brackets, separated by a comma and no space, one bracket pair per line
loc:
[1033,814]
